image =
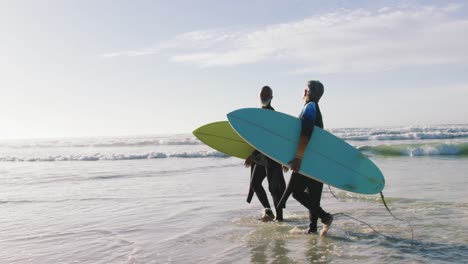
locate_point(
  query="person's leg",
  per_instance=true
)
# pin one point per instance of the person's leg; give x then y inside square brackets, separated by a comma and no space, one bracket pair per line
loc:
[314,189]
[313,217]
[276,185]
[313,223]
[310,199]
[298,185]
[258,175]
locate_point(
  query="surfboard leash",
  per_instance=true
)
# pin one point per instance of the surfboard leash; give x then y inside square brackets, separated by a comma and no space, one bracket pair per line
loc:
[373,229]
[362,222]
[410,225]
[329,188]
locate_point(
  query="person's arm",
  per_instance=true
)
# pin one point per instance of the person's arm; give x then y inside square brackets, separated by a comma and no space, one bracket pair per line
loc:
[250,159]
[307,127]
[296,162]
[248,162]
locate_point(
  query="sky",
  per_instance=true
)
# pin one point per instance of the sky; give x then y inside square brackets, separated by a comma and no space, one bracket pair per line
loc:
[81,68]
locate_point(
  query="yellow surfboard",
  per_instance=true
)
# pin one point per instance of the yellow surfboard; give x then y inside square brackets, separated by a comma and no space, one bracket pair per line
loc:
[221,137]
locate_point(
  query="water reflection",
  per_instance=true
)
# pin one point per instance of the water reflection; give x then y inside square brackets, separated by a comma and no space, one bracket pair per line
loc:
[273,243]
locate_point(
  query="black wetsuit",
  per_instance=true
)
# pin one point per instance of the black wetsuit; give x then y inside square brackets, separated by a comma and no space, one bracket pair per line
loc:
[274,173]
[305,190]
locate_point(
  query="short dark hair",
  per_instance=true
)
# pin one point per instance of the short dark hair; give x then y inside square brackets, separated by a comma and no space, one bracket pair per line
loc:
[266,87]
[315,91]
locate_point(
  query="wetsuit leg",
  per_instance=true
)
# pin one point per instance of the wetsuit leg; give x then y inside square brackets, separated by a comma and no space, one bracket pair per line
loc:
[258,175]
[313,217]
[313,222]
[314,188]
[276,185]
[298,185]
[310,199]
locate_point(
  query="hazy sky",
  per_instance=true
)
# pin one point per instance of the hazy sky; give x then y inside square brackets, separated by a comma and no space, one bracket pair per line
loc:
[110,68]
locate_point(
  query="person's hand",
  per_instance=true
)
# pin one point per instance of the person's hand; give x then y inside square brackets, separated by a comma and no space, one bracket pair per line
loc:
[295,164]
[285,169]
[248,162]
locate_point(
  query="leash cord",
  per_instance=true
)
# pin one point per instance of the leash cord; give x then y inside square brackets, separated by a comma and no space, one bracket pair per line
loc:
[388,209]
[411,226]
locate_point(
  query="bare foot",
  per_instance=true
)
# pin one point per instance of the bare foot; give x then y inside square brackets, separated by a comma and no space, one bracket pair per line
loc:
[326,226]
[268,216]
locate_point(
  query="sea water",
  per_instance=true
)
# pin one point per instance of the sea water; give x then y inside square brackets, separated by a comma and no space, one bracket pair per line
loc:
[171,199]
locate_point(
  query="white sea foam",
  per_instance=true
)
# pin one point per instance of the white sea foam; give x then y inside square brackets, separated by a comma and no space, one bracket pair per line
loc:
[350,134]
[396,141]
[402,133]
[102,142]
[115,156]
[429,149]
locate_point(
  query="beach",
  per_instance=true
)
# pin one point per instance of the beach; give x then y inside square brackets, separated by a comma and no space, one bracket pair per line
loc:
[172,199]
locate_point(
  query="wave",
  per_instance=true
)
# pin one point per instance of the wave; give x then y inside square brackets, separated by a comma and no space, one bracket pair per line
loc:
[114,157]
[102,142]
[441,132]
[402,133]
[429,149]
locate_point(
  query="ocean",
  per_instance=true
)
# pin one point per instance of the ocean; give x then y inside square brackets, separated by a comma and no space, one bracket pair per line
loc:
[172,199]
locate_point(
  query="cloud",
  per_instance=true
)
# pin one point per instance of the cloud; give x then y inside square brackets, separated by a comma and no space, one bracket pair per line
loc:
[343,41]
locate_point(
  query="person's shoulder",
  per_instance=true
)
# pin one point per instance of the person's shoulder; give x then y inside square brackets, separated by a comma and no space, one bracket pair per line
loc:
[309,111]
[310,106]
[269,107]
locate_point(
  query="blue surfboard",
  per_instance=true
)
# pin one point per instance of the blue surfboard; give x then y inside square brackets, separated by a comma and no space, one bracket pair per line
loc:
[327,158]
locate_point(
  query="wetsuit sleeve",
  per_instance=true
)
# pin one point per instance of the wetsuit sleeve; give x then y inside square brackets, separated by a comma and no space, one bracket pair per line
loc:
[308,116]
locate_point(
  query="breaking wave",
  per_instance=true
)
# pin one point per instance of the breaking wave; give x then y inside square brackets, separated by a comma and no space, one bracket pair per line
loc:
[429,149]
[402,133]
[102,142]
[114,157]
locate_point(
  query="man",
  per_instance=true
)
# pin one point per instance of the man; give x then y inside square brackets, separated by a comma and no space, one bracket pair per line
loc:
[305,190]
[261,167]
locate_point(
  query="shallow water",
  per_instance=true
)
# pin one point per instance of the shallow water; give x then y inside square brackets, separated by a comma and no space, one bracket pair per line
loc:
[193,210]
[145,212]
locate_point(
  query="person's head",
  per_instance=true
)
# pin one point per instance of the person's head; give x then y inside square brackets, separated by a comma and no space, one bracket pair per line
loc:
[313,91]
[266,94]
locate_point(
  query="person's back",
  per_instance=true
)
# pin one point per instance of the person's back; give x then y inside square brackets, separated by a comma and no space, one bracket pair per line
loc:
[261,167]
